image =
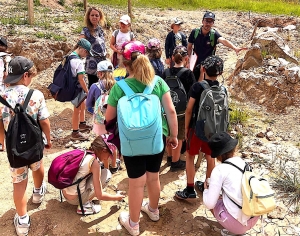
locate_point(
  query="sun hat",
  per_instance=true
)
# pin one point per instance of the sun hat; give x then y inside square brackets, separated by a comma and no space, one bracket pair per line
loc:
[16,68]
[221,143]
[133,46]
[180,50]
[111,147]
[3,42]
[125,19]
[213,65]
[86,45]
[105,66]
[153,44]
[209,15]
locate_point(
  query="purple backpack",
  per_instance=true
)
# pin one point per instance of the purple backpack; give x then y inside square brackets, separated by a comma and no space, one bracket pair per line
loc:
[64,168]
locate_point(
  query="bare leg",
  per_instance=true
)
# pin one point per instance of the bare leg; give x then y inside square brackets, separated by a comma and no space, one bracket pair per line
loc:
[210,165]
[82,112]
[153,187]
[75,118]
[135,197]
[38,176]
[20,197]
[176,152]
[190,169]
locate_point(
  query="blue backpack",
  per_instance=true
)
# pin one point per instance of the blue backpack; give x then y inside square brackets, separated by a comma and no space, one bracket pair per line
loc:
[65,87]
[139,121]
[158,66]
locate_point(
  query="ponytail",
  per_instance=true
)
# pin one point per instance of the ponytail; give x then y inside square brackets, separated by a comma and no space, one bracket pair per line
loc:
[142,69]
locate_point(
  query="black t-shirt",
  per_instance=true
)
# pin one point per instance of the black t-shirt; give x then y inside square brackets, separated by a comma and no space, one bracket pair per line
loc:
[202,45]
[195,92]
[187,78]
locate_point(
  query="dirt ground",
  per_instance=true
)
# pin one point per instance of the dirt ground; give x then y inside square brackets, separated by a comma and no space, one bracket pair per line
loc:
[53,217]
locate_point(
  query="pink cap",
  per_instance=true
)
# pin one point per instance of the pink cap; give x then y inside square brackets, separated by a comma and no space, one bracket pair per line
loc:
[125,19]
[153,43]
[133,46]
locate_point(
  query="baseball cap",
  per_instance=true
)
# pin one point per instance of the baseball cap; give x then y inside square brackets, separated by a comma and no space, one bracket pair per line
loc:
[209,15]
[133,46]
[125,19]
[86,45]
[153,44]
[3,41]
[16,68]
[176,21]
[221,143]
[213,65]
[105,66]
[181,50]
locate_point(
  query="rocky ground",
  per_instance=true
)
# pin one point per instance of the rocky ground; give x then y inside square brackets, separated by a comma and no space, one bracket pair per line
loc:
[269,139]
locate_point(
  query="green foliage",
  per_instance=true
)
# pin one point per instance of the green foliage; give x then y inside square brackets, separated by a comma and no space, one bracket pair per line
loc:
[13,20]
[61,2]
[78,4]
[43,35]
[57,37]
[36,2]
[238,116]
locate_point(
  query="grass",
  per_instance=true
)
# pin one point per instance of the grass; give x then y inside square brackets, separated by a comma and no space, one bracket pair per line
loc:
[277,7]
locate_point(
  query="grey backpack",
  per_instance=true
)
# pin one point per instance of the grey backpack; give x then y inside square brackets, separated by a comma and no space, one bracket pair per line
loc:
[213,114]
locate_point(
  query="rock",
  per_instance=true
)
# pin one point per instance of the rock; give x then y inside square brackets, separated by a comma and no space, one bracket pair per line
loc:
[278,213]
[260,135]
[185,210]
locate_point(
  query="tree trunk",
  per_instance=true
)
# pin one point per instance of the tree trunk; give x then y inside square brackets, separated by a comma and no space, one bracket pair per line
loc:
[30,12]
[84,4]
[129,9]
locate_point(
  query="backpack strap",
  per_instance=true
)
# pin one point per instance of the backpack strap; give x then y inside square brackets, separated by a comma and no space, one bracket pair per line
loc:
[204,84]
[197,30]
[126,89]
[168,72]
[181,71]
[27,99]
[5,103]
[149,88]
[212,40]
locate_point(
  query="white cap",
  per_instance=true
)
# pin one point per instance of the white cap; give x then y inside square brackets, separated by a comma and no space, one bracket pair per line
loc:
[125,19]
[105,66]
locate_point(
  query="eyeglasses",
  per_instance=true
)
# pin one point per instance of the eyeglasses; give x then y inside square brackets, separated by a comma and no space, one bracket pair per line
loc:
[209,21]
[95,15]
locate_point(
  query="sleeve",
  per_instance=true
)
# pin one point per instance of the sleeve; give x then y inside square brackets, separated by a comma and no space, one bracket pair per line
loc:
[114,95]
[195,91]
[114,34]
[212,194]
[191,37]
[184,41]
[91,96]
[161,88]
[217,36]
[43,112]
[167,45]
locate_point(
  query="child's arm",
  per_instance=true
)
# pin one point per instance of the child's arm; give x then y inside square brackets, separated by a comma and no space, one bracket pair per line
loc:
[82,83]
[2,135]
[188,115]
[95,168]
[45,125]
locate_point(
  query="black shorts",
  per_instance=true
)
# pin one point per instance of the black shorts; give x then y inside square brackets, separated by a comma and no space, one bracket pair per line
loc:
[137,166]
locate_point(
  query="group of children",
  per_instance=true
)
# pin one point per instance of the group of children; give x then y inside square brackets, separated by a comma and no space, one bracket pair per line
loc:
[137,61]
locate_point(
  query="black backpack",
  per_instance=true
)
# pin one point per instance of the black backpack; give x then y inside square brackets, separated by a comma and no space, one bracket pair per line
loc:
[23,138]
[158,66]
[178,93]
[65,87]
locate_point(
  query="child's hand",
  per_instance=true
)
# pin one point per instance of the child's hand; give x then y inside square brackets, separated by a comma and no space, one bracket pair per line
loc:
[172,141]
[119,196]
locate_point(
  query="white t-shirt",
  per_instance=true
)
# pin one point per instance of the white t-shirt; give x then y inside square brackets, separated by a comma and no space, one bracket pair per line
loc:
[122,38]
[77,65]
[228,179]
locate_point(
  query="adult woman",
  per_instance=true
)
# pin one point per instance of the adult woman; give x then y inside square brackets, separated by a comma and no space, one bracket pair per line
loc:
[143,169]
[228,179]
[94,20]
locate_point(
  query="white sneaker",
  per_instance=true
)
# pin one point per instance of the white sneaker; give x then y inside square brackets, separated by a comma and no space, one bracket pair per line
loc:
[21,229]
[124,220]
[154,216]
[89,208]
[39,196]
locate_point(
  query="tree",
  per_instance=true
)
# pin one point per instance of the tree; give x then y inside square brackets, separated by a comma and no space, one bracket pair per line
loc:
[129,9]
[30,12]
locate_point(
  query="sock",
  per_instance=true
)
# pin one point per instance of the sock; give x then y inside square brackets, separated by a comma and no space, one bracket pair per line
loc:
[190,188]
[151,209]
[82,122]
[36,190]
[75,130]
[133,224]
[23,219]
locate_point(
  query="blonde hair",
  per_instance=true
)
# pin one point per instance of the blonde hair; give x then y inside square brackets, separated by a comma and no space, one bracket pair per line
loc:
[87,21]
[32,71]
[98,144]
[142,68]
[107,79]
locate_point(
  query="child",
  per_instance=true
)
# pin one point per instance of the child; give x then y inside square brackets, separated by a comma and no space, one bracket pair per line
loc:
[93,185]
[120,36]
[4,60]
[20,74]
[180,58]
[212,67]
[154,52]
[79,125]
[227,179]
[174,38]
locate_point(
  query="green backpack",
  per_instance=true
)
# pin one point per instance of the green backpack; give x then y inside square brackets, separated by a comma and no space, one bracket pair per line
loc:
[211,38]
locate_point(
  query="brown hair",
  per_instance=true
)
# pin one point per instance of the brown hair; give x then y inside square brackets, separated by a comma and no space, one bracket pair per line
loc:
[229,154]
[98,144]
[87,21]
[154,54]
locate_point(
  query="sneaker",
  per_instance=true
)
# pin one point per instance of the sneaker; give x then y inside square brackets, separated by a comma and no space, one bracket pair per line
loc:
[79,136]
[184,194]
[21,229]
[154,216]
[169,160]
[117,168]
[124,220]
[200,186]
[179,165]
[39,196]
[90,110]
[225,232]
[89,208]
[84,127]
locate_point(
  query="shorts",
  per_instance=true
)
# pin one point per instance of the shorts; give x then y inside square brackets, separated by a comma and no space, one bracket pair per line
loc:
[89,191]
[137,166]
[21,173]
[181,128]
[194,145]
[229,222]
